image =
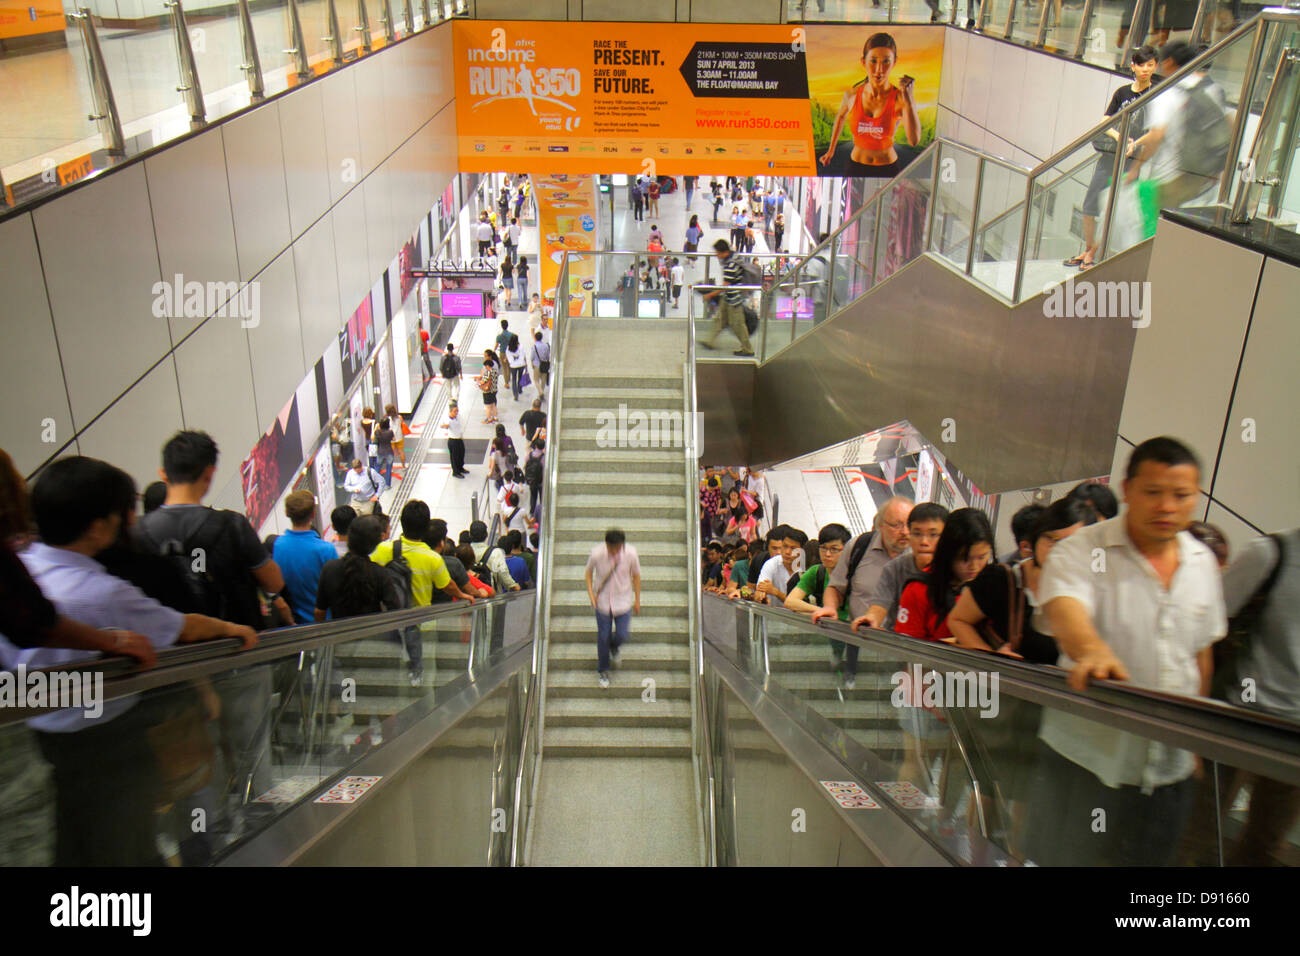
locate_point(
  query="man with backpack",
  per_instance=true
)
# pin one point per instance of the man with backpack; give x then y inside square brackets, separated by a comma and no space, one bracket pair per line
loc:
[365,485]
[450,368]
[731,312]
[223,562]
[1189,134]
[854,579]
[418,570]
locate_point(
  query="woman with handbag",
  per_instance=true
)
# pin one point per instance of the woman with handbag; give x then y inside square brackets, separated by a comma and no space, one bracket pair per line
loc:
[693,236]
[487,382]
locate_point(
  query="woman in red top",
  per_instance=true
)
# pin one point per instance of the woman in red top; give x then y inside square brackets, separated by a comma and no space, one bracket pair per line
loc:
[873,109]
[964,548]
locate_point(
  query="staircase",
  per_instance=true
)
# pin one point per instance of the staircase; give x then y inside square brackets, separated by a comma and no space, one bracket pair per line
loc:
[641,491]
[616,776]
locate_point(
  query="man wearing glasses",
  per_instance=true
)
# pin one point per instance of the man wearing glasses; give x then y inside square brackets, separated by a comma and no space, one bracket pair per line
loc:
[854,579]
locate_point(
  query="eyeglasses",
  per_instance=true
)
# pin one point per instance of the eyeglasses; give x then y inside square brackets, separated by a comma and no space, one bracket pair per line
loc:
[831,548]
[895,525]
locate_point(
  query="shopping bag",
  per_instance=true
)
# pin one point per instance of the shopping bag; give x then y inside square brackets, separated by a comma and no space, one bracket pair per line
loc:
[524,380]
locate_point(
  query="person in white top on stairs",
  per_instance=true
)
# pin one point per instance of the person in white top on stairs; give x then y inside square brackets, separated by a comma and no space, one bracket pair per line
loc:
[614,587]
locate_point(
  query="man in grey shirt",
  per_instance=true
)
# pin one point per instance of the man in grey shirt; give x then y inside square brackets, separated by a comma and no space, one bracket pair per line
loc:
[889,541]
[924,525]
[1266,676]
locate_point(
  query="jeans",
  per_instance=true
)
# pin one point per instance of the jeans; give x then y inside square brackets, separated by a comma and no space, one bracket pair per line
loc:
[849,653]
[521,286]
[604,645]
[689,193]
[410,639]
[385,467]
[516,372]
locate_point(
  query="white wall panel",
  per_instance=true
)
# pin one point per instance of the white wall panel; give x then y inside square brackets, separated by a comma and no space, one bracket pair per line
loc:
[1238,532]
[319,312]
[1082,102]
[217,386]
[100,286]
[29,361]
[372,112]
[952,77]
[190,199]
[1036,122]
[302,133]
[131,433]
[308,412]
[259,198]
[1004,111]
[979,87]
[352,260]
[1259,472]
[275,343]
[1184,363]
[378,204]
[342,141]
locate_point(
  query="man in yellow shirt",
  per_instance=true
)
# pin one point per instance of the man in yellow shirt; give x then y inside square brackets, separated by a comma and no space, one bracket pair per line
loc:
[428,571]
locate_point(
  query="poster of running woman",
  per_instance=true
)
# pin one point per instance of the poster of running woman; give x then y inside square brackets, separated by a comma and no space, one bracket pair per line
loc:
[692,98]
[874,96]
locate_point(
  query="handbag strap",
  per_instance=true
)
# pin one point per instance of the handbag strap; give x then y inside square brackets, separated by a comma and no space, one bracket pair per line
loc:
[1016,600]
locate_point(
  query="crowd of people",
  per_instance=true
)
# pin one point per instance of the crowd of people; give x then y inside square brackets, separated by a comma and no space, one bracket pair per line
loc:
[1143,597]
[87,572]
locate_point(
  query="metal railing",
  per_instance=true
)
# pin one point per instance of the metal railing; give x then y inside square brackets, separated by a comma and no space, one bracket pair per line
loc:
[827,274]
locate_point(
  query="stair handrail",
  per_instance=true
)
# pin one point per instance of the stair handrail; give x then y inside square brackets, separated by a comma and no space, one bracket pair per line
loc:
[534,713]
[701,732]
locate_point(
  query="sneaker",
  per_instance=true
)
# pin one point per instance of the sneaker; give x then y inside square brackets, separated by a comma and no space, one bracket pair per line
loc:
[417,677]
[743,352]
[834,659]
[850,681]
[604,680]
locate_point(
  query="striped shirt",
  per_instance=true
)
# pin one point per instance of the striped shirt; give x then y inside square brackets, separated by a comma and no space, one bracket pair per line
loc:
[733,274]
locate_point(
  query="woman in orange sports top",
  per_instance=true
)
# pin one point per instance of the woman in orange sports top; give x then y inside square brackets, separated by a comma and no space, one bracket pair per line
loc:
[873,109]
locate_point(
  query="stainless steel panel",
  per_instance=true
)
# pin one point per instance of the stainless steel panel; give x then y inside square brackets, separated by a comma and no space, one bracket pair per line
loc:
[1032,400]
[726,402]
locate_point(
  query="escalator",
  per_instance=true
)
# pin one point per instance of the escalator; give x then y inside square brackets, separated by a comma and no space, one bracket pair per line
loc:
[945,300]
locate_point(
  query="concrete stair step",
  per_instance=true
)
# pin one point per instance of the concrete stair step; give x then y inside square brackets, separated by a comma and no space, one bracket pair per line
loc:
[590,529]
[637,657]
[616,741]
[561,684]
[601,711]
[653,380]
[650,553]
[616,393]
[639,461]
[654,602]
[662,483]
[587,637]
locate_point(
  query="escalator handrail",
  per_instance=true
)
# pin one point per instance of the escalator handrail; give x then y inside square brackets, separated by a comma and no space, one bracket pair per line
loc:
[189,661]
[1255,740]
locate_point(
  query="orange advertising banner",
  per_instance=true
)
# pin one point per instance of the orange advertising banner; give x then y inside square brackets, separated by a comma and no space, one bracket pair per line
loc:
[566,221]
[623,97]
[22,18]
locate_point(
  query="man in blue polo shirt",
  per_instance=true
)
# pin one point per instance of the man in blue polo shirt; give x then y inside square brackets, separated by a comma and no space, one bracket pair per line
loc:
[301,553]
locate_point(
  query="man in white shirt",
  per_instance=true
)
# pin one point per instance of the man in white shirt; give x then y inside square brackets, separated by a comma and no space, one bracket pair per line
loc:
[364,485]
[784,562]
[614,588]
[677,279]
[484,236]
[1133,598]
[455,426]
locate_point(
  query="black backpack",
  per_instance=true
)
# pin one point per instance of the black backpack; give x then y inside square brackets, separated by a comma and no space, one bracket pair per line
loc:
[1206,131]
[400,571]
[751,319]
[1242,627]
[197,559]
[860,545]
[533,470]
[450,366]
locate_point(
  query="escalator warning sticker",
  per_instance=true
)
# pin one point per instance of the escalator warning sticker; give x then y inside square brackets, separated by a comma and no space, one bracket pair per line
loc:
[290,790]
[348,790]
[849,795]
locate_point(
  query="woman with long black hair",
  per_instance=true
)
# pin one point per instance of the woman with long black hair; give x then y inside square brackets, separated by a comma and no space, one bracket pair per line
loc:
[488,380]
[873,108]
[353,584]
[964,548]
